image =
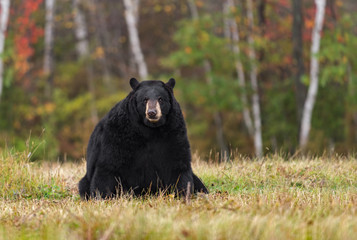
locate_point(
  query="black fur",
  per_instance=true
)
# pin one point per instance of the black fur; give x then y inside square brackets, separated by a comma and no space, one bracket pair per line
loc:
[128,153]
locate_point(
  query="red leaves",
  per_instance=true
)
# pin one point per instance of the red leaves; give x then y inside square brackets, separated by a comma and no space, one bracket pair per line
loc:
[31,6]
[22,45]
[26,34]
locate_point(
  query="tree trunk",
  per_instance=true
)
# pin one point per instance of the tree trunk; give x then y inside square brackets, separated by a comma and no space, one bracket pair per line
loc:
[297,28]
[331,5]
[217,117]
[351,110]
[131,17]
[227,24]
[261,12]
[102,39]
[82,47]
[224,151]
[314,71]
[48,64]
[4,17]
[193,9]
[258,142]
[233,29]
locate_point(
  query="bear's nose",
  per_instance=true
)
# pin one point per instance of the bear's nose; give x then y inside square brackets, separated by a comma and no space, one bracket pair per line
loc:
[152,113]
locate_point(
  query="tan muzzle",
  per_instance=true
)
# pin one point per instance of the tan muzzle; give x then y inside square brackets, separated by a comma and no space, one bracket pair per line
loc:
[153,111]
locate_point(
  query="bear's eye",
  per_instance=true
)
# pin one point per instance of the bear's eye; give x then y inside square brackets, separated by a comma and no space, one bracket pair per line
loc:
[160,100]
[146,100]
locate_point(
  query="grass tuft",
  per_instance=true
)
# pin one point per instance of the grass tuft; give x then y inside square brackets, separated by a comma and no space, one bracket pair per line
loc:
[22,179]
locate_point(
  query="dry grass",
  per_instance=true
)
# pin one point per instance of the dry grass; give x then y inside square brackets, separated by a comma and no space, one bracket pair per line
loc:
[270,199]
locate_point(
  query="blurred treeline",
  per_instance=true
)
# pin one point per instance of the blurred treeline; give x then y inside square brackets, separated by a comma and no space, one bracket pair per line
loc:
[56,109]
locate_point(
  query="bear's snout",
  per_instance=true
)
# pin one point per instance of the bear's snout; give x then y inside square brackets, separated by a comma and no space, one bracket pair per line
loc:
[152,113]
[153,110]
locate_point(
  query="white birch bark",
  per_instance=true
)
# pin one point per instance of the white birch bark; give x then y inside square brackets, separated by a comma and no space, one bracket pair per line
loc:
[4,17]
[131,17]
[233,32]
[47,63]
[193,9]
[80,30]
[82,47]
[48,40]
[258,142]
[314,71]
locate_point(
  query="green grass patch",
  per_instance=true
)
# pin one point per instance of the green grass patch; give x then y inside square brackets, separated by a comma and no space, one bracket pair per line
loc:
[270,199]
[23,179]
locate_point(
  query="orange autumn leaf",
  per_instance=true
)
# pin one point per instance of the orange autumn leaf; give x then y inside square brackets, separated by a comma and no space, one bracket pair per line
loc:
[188,50]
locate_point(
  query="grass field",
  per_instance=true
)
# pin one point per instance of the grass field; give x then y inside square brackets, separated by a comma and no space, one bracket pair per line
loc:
[267,199]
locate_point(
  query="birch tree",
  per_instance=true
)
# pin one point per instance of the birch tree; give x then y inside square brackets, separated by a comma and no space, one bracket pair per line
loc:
[131,18]
[80,30]
[82,47]
[232,32]
[216,115]
[4,17]
[258,142]
[48,64]
[314,71]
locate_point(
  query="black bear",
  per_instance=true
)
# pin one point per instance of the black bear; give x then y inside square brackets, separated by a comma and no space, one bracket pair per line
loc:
[141,146]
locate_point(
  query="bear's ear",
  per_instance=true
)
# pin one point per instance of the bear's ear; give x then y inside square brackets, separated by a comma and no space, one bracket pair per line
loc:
[134,83]
[171,83]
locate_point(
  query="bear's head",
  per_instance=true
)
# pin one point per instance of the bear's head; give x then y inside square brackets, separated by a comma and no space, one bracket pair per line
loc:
[153,100]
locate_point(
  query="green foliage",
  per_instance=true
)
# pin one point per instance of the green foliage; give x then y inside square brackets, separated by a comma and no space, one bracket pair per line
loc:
[105,103]
[197,43]
[328,120]
[337,55]
[221,94]
[280,117]
[7,58]
[338,51]
[212,87]
[77,110]
[338,72]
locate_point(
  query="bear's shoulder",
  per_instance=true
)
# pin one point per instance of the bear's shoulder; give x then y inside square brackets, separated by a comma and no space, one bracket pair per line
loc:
[117,114]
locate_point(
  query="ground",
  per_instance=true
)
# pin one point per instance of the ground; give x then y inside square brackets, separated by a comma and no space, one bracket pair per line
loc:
[274,198]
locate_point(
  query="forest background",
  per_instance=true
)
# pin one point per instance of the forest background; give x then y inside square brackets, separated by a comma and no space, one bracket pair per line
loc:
[243,71]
